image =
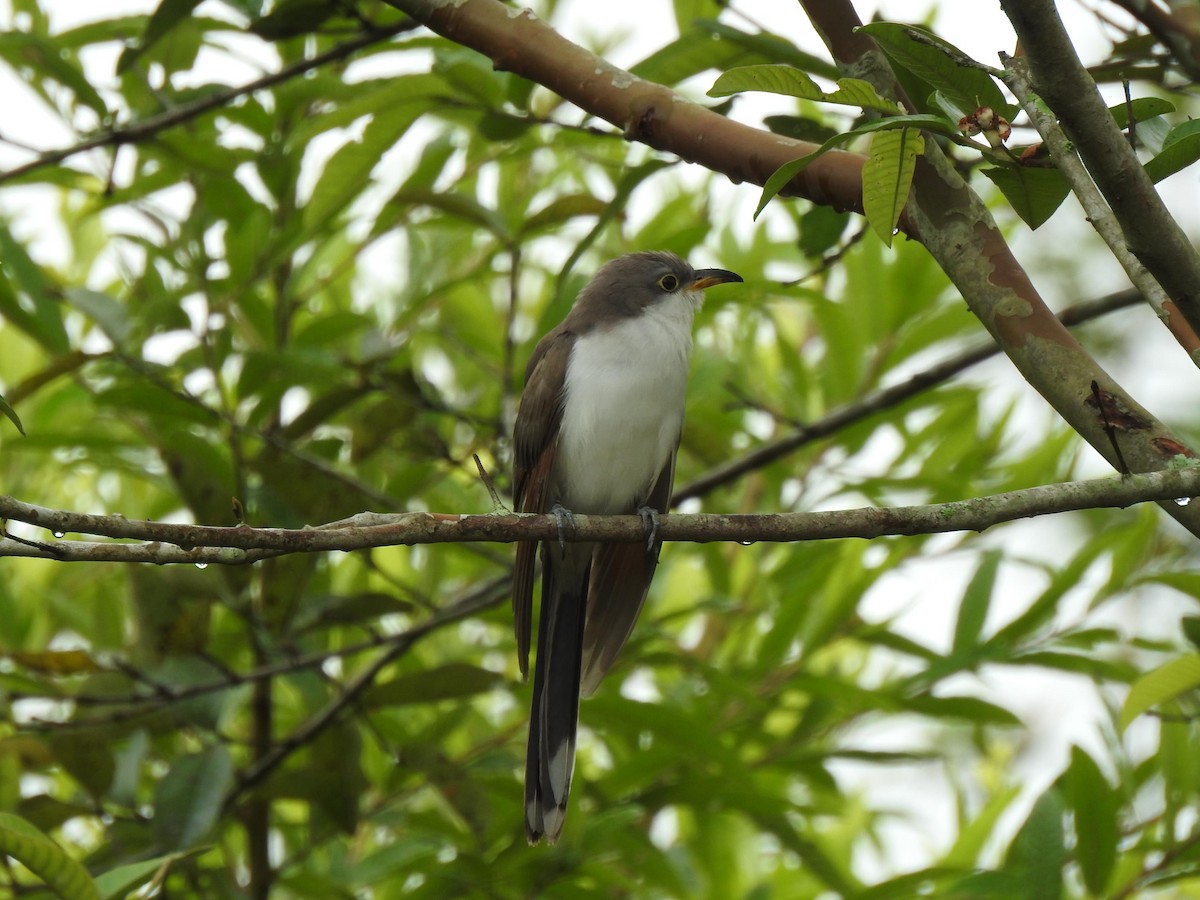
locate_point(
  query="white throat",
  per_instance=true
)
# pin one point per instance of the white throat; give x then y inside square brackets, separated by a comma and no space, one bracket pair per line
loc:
[624,396]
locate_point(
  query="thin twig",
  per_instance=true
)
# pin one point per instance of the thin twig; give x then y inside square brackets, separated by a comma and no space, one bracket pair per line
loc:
[468,606]
[486,477]
[880,400]
[142,129]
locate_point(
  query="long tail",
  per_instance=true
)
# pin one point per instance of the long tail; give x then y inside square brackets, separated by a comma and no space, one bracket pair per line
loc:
[550,756]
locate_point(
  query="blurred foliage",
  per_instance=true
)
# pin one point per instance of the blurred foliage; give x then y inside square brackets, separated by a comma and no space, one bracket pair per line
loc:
[317,297]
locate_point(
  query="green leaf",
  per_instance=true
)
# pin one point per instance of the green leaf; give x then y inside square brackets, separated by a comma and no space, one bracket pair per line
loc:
[856,92]
[458,205]
[348,171]
[562,210]
[122,881]
[337,780]
[41,316]
[780,177]
[694,52]
[800,128]
[11,415]
[168,14]
[1179,763]
[88,761]
[971,709]
[977,599]
[1038,852]
[687,11]
[1190,626]
[775,79]
[1143,108]
[1160,686]
[771,47]
[974,836]
[107,312]
[1063,579]
[45,859]
[1035,193]
[23,50]
[449,682]
[791,82]
[1091,665]
[925,882]
[289,18]
[933,59]
[1181,132]
[189,798]
[820,229]
[887,177]
[1179,151]
[1097,829]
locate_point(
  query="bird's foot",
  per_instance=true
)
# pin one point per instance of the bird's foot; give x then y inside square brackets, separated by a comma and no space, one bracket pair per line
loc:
[649,517]
[564,518]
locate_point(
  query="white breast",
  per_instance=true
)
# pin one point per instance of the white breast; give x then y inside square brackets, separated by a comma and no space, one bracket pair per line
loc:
[623,410]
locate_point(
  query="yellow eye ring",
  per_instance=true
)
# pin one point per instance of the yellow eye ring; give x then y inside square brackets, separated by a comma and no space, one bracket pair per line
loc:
[668,283]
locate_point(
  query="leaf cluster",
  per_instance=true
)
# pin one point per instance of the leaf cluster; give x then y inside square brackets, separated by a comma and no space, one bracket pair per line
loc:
[318,298]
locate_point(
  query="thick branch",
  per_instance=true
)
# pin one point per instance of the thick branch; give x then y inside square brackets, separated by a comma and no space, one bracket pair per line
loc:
[517,41]
[948,218]
[1064,84]
[1063,152]
[957,229]
[207,544]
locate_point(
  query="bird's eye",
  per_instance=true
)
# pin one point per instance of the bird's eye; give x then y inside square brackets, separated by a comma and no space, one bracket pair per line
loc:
[668,282]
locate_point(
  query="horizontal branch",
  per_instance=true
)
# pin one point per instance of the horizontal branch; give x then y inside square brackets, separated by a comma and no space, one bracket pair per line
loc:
[161,542]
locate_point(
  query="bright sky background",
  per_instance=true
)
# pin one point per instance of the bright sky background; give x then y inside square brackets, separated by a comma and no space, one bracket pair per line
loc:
[1057,709]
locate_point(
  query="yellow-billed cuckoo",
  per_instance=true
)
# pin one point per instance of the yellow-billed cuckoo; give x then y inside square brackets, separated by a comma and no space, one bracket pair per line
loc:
[596,432]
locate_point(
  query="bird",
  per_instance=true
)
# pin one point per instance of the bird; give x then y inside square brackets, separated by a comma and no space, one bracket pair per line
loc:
[596,432]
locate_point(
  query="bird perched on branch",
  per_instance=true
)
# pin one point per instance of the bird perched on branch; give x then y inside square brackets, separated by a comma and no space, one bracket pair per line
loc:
[596,432]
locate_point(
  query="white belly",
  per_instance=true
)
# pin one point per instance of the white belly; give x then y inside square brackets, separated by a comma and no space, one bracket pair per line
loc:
[625,391]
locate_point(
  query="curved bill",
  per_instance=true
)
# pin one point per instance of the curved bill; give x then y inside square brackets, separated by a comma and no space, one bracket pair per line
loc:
[706,278]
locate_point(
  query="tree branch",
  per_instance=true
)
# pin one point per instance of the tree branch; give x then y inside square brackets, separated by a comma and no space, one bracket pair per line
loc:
[1066,158]
[517,41]
[945,215]
[957,229]
[1064,84]
[488,595]
[201,544]
[133,132]
[880,400]
[1178,31]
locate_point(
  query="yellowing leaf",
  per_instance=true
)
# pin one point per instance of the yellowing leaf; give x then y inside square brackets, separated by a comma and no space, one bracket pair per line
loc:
[45,859]
[887,176]
[1161,686]
[856,92]
[56,662]
[774,79]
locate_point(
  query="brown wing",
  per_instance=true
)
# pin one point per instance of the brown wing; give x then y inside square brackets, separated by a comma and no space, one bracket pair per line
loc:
[621,575]
[535,442]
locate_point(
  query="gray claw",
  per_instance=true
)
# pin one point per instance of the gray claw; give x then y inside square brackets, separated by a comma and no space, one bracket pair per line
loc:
[649,518]
[563,517]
